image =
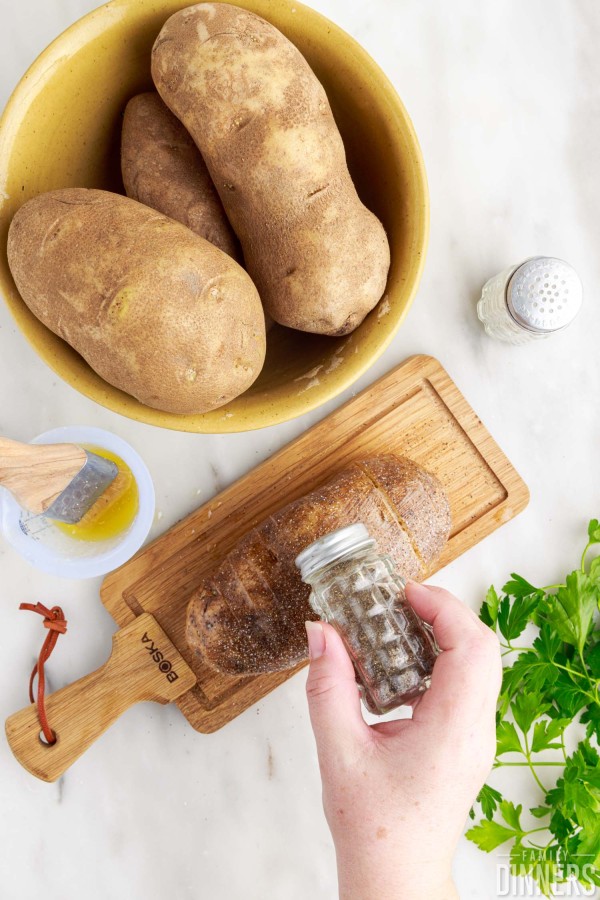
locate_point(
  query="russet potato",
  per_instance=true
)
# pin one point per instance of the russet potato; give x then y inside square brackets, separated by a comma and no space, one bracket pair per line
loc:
[163,168]
[265,129]
[154,309]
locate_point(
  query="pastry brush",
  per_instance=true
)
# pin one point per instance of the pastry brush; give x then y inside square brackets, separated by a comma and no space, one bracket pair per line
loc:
[59,481]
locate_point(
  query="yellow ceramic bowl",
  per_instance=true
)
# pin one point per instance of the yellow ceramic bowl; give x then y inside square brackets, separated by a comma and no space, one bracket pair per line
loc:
[61,128]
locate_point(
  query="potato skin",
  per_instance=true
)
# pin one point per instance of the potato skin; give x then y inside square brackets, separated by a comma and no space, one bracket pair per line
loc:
[265,128]
[247,616]
[154,309]
[163,168]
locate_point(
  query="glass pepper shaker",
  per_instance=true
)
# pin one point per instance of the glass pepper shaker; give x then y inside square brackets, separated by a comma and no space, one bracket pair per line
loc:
[531,300]
[360,593]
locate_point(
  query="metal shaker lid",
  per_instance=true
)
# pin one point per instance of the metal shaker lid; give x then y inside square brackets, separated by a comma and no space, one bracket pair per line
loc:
[331,547]
[544,294]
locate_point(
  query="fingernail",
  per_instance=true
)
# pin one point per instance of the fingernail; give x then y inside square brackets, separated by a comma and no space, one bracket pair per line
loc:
[316,639]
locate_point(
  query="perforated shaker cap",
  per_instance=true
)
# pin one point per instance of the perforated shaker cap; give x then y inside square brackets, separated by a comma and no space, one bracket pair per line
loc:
[544,294]
[331,547]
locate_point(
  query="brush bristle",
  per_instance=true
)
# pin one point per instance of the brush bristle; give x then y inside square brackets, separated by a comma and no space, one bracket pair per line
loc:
[109,498]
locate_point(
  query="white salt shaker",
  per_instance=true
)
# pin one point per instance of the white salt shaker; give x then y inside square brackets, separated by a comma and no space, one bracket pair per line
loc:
[531,300]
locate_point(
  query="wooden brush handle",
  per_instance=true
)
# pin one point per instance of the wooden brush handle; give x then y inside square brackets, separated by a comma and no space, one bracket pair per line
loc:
[36,474]
[144,665]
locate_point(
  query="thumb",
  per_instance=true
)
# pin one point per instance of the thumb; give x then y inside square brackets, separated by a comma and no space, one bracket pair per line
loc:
[332,692]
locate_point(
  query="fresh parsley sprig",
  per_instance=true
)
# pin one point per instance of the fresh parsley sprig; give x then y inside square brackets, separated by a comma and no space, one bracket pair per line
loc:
[550,687]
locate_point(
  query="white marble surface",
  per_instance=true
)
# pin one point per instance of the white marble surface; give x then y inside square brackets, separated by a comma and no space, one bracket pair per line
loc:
[506,102]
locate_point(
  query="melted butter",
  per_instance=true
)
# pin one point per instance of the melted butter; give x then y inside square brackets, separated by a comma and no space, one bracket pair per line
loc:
[112,513]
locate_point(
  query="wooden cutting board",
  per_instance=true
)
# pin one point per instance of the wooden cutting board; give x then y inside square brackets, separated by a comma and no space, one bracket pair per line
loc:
[416,410]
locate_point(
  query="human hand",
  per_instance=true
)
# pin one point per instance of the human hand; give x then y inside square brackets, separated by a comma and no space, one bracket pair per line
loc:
[396,794]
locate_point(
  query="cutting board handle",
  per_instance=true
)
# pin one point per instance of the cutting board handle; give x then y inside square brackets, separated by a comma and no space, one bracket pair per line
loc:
[143,665]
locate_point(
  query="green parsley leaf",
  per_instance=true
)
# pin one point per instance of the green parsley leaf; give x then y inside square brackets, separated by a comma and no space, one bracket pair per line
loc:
[489,798]
[489,608]
[594,531]
[567,694]
[518,587]
[573,794]
[588,848]
[507,739]
[590,717]
[529,672]
[588,875]
[540,811]
[594,571]
[545,733]
[540,862]
[560,826]
[511,814]
[513,617]
[527,707]
[571,609]
[547,644]
[547,690]
[588,754]
[592,659]
[489,835]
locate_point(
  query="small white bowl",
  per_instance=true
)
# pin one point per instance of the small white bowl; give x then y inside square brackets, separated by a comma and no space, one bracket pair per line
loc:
[50,549]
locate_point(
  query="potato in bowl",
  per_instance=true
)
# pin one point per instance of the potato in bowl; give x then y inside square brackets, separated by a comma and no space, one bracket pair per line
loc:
[155,310]
[264,126]
[62,127]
